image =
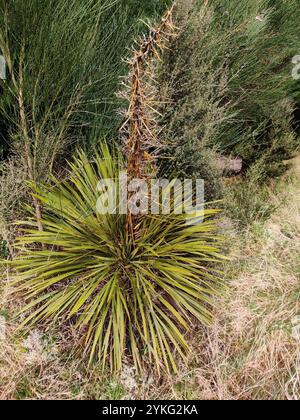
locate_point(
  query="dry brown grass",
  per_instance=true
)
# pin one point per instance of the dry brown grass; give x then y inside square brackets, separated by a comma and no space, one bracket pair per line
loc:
[252,351]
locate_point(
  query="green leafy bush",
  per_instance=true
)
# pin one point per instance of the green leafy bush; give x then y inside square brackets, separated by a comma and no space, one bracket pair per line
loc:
[227,84]
[127,297]
[193,89]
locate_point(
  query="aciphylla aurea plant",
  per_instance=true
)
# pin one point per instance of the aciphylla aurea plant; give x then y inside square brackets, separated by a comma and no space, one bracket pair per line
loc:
[133,287]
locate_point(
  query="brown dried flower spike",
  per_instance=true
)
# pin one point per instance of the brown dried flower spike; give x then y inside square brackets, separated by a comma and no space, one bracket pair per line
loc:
[139,129]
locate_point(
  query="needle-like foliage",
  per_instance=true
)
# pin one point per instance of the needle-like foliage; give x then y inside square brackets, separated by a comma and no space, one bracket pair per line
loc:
[128,297]
[65,58]
[63,64]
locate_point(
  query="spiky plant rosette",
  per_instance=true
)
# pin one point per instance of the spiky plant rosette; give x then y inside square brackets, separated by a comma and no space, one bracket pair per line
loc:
[128,298]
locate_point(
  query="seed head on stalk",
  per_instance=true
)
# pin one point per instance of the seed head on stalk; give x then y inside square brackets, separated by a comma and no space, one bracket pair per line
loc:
[139,131]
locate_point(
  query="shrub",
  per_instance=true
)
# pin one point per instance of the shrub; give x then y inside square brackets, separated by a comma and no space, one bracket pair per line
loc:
[192,92]
[68,69]
[127,297]
[227,84]
[62,77]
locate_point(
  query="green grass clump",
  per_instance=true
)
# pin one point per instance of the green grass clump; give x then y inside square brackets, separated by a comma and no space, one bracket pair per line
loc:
[68,70]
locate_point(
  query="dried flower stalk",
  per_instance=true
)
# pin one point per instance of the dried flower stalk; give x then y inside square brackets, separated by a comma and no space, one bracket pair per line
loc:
[139,130]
